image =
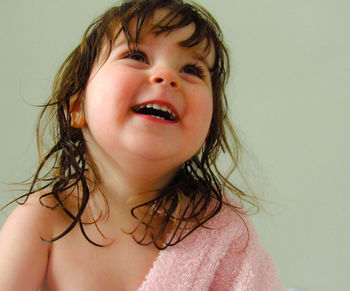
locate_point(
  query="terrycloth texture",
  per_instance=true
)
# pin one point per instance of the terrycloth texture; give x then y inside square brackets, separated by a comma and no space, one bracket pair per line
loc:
[216,259]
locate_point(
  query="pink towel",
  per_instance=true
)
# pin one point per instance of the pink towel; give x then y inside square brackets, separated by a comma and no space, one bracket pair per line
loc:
[216,259]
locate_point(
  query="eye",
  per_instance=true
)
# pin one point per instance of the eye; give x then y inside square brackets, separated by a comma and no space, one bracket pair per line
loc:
[193,69]
[136,55]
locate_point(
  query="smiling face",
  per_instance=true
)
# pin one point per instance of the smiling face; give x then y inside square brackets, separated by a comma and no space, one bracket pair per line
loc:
[152,102]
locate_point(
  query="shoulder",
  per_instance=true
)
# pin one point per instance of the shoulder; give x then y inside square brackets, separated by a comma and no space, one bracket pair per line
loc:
[22,247]
[228,229]
[32,216]
[231,223]
[246,265]
[27,213]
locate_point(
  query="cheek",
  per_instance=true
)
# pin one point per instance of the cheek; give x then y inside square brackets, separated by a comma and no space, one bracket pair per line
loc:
[200,112]
[111,90]
[209,114]
[110,81]
[204,106]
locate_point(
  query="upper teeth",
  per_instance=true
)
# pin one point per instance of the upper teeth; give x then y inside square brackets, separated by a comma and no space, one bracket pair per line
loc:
[159,107]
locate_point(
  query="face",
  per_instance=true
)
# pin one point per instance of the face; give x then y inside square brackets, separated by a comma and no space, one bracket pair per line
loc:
[154,102]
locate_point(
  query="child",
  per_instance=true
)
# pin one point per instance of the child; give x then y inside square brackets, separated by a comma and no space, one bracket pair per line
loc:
[132,197]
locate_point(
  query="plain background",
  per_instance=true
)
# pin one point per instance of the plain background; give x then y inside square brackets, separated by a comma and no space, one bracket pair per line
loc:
[289,96]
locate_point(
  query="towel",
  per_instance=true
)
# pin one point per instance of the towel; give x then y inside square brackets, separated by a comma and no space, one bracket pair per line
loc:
[227,255]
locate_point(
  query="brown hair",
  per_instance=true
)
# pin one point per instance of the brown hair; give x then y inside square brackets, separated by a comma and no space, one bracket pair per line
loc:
[196,193]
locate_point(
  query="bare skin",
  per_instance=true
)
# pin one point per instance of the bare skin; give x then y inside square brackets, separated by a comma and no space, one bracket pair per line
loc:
[76,264]
[71,263]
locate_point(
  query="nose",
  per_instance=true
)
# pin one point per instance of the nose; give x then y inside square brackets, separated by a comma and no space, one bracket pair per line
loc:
[165,77]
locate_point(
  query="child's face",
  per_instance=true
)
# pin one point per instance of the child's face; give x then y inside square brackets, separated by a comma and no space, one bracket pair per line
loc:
[159,74]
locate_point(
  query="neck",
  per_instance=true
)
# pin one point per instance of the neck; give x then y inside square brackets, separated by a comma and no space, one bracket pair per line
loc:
[127,184]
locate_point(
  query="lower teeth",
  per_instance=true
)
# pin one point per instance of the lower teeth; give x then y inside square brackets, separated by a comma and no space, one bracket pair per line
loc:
[157,117]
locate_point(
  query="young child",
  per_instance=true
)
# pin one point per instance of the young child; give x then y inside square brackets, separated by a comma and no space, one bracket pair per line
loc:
[130,196]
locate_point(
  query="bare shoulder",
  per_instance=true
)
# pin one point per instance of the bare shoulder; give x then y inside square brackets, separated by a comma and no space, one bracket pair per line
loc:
[24,254]
[30,217]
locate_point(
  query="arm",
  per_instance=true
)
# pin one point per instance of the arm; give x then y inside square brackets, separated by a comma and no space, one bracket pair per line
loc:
[23,255]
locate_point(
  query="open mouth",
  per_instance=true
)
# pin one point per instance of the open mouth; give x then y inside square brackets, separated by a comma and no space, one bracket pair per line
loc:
[156,110]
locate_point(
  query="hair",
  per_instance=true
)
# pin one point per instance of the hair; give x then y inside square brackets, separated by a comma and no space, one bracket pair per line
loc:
[196,193]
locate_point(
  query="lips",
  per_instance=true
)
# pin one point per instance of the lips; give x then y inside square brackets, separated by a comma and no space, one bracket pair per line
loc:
[160,110]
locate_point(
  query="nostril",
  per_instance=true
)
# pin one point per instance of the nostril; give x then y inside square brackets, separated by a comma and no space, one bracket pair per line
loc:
[158,80]
[173,84]
[164,81]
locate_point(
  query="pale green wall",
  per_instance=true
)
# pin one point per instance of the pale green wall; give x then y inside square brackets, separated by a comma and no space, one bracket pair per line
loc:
[290,101]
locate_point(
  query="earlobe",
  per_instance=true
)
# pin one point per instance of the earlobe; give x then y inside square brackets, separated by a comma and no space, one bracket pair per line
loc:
[76,110]
[77,119]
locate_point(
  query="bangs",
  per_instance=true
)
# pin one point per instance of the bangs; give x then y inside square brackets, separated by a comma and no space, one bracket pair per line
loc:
[134,19]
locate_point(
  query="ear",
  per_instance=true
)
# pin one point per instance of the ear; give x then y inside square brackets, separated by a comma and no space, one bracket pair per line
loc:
[76,110]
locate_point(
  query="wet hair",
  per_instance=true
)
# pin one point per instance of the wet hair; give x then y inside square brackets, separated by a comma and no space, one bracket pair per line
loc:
[195,195]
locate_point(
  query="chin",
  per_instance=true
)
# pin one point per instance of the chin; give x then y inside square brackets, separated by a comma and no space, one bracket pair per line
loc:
[161,155]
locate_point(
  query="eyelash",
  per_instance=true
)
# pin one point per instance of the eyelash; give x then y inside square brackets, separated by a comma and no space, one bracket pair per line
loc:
[131,55]
[195,69]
